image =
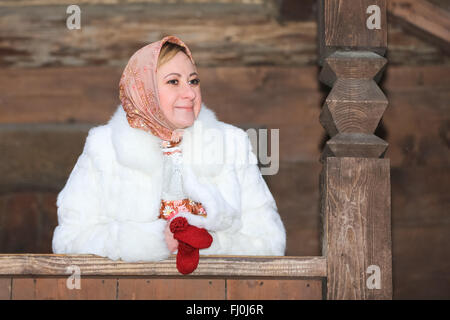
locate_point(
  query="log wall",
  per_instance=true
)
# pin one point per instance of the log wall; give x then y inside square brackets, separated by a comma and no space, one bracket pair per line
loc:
[258,67]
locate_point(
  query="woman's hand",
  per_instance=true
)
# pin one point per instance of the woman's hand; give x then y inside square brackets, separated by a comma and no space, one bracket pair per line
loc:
[172,243]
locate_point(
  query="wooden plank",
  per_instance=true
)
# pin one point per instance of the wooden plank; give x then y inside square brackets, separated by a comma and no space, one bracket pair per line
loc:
[57,289]
[357,228]
[90,289]
[428,20]
[23,289]
[242,266]
[36,36]
[171,289]
[5,288]
[67,95]
[268,289]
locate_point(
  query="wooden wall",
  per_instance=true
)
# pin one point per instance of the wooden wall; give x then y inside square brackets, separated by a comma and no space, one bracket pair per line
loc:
[258,66]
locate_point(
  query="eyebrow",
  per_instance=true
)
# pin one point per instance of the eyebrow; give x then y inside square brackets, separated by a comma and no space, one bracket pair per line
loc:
[180,74]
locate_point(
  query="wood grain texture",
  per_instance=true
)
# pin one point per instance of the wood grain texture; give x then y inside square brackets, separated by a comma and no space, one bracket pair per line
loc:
[243,266]
[56,288]
[125,288]
[5,288]
[171,289]
[142,288]
[228,33]
[342,24]
[217,33]
[267,289]
[404,48]
[426,19]
[354,105]
[351,65]
[90,94]
[357,226]
[359,145]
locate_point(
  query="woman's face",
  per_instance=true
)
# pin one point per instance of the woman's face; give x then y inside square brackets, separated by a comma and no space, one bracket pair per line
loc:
[179,91]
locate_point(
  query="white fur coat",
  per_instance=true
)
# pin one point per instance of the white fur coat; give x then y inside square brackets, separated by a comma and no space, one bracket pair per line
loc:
[110,203]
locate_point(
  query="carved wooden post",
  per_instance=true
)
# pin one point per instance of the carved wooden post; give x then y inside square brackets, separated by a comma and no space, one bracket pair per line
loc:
[355,180]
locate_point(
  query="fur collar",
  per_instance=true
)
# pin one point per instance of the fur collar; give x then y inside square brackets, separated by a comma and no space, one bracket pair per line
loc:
[140,150]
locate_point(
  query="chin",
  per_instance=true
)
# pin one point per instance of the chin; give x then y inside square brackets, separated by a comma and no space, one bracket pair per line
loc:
[184,124]
[182,119]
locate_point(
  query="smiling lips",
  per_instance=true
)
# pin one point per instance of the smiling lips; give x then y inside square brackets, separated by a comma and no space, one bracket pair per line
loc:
[186,107]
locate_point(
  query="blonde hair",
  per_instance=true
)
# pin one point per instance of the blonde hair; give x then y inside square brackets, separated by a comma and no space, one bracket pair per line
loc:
[168,51]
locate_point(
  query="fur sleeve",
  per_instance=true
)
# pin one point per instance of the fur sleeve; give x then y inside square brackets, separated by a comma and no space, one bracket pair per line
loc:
[83,227]
[261,231]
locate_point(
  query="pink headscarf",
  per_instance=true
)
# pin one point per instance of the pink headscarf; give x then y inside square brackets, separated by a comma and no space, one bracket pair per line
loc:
[138,91]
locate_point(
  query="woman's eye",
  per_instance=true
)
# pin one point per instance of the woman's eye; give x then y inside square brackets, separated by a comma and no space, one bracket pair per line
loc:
[175,81]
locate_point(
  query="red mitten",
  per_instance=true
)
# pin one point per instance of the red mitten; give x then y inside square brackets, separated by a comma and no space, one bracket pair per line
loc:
[187,258]
[190,240]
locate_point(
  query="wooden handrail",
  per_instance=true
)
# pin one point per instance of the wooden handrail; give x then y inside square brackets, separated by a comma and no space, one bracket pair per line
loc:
[223,266]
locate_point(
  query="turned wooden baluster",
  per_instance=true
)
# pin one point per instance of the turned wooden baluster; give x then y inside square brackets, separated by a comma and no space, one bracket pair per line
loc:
[355,180]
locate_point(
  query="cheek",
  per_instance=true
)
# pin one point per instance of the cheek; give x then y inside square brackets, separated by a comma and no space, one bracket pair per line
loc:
[166,102]
[198,104]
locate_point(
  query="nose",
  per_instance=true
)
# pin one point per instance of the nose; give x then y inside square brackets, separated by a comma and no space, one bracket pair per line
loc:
[188,92]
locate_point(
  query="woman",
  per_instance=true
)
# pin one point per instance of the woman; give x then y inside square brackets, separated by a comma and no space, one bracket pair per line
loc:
[162,155]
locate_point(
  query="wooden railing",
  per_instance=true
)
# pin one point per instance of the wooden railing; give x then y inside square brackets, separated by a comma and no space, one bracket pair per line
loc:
[222,266]
[39,276]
